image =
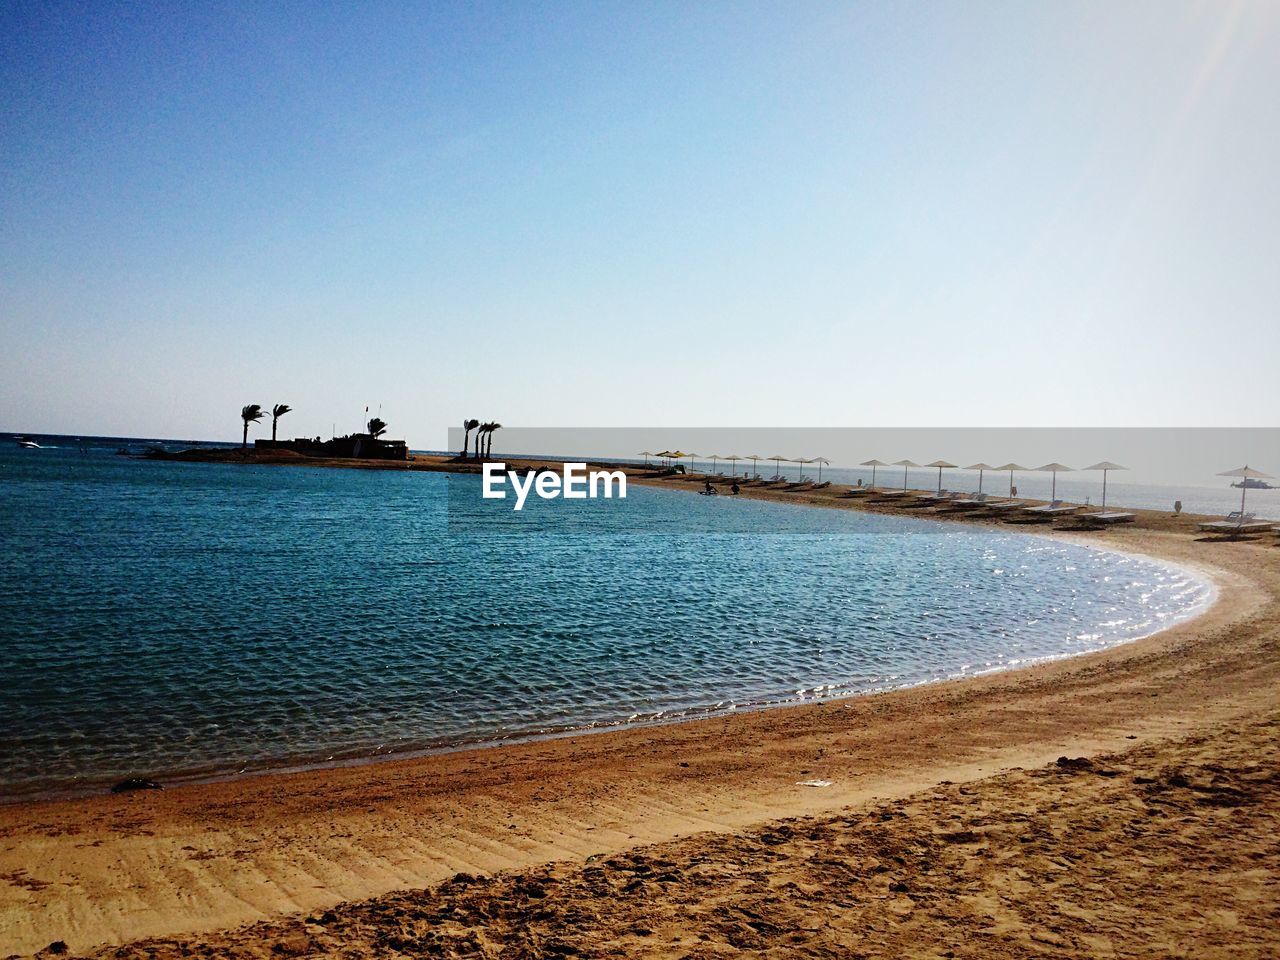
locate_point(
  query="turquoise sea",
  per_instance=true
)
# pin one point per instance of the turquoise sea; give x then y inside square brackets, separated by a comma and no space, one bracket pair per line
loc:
[179,620]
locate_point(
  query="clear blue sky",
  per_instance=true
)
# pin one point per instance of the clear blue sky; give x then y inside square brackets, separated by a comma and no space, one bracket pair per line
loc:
[638,214]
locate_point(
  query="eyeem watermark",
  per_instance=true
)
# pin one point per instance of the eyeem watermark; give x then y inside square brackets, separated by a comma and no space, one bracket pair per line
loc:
[575,483]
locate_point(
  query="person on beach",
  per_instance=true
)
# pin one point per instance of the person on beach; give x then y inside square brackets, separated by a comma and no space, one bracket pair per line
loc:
[708,490]
[735,488]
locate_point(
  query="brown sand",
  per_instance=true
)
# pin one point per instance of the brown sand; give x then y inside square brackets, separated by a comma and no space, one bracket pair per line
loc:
[925,842]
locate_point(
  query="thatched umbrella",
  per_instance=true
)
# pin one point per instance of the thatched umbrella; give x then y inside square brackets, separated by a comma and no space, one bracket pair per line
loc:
[1106,466]
[905,464]
[982,468]
[873,464]
[1245,473]
[941,465]
[1011,467]
[1055,469]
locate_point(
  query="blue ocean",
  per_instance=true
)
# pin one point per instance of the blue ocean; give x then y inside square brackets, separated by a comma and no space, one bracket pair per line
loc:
[183,620]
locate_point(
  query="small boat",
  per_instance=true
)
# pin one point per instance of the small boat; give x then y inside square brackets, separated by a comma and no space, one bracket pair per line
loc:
[1252,483]
[26,443]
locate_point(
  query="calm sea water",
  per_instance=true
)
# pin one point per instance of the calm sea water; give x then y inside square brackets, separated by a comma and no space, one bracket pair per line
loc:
[173,620]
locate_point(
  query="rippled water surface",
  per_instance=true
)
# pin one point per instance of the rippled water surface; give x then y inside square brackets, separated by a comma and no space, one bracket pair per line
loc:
[177,619]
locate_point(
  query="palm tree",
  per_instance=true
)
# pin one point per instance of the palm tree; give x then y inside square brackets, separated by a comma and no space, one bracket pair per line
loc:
[250,414]
[479,437]
[278,411]
[489,446]
[468,425]
[377,427]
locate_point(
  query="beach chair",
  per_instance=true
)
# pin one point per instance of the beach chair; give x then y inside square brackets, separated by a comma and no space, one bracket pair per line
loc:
[1003,506]
[892,495]
[1235,524]
[1233,519]
[934,497]
[1055,509]
[1107,518]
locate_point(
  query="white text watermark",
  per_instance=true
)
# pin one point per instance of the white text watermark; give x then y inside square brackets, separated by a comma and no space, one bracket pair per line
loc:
[574,483]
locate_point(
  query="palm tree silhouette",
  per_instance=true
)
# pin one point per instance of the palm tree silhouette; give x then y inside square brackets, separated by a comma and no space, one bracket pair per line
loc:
[278,411]
[250,414]
[480,437]
[469,425]
[377,427]
[488,449]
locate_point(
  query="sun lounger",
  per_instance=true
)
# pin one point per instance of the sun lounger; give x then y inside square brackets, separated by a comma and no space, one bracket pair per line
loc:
[1236,526]
[934,497]
[894,494]
[1106,518]
[1055,509]
[1001,506]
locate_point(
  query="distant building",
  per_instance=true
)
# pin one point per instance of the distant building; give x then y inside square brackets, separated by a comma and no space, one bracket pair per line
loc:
[356,446]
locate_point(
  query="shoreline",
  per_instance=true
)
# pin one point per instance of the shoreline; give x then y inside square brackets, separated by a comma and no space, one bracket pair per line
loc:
[691,714]
[696,712]
[216,854]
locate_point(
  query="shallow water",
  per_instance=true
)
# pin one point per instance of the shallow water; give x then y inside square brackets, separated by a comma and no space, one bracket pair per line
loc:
[175,619]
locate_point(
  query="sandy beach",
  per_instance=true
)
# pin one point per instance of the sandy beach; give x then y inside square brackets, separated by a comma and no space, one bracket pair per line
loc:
[1120,803]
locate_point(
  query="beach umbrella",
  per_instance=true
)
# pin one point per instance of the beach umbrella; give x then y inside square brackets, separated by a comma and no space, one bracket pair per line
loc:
[713,457]
[778,464]
[873,464]
[904,464]
[1106,466]
[802,461]
[820,461]
[941,465]
[982,468]
[733,458]
[1055,469]
[1011,467]
[754,458]
[1246,473]
[646,454]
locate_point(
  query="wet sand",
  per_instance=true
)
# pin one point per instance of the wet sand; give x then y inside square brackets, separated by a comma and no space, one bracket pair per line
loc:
[948,824]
